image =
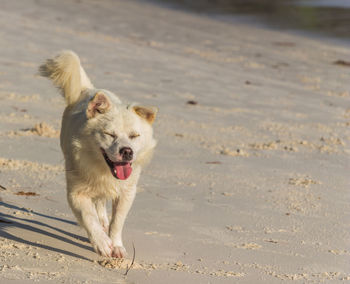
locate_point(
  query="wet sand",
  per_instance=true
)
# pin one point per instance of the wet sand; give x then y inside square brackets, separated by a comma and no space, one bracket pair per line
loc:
[249,182]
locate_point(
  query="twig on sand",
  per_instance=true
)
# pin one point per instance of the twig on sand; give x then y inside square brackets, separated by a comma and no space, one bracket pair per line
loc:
[132,262]
[2,187]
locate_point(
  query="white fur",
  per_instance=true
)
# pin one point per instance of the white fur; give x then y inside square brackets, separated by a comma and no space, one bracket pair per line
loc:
[86,120]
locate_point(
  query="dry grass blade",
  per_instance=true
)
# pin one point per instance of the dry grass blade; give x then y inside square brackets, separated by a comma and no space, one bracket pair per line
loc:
[132,262]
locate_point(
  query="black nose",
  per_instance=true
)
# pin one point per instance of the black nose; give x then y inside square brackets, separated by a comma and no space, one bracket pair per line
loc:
[126,153]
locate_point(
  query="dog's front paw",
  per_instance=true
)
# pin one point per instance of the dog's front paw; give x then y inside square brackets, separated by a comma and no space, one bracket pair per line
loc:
[102,245]
[119,252]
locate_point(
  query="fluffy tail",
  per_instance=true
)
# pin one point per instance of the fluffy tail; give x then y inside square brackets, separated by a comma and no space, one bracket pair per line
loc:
[67,74]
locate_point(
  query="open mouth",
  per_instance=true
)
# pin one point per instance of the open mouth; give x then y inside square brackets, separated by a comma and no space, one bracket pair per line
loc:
[120,170]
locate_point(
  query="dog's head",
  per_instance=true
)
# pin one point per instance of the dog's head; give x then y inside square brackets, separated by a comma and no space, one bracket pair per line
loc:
[119,133]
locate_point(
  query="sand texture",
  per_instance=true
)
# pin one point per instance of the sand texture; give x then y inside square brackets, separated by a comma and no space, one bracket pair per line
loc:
[250,178]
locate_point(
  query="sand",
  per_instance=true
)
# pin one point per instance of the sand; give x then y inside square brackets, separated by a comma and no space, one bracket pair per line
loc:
[250,179]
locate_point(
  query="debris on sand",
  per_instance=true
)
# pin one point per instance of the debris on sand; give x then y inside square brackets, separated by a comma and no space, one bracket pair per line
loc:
[342,63]
[40,129]
[302,181]
[119,263]
[43,129]
[191,102]
[27,193]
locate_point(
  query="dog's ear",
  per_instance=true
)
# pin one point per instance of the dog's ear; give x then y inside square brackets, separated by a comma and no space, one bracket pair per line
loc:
[147,113]
[98,104]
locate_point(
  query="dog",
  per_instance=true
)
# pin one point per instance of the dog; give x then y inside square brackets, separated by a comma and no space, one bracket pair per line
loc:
[106,144]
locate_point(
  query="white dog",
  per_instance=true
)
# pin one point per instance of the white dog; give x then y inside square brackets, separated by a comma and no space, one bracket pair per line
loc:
[105,145]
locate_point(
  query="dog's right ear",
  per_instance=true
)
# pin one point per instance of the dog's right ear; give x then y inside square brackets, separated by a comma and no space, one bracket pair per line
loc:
[99,104]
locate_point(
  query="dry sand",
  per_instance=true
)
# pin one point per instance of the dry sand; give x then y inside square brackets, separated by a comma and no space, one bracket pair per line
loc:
[250,180]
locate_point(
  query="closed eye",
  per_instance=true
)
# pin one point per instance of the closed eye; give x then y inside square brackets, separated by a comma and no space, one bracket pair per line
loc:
[114,136]
[134,135]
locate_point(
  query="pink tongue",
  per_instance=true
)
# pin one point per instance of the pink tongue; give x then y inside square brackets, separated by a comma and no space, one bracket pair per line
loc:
[123,171]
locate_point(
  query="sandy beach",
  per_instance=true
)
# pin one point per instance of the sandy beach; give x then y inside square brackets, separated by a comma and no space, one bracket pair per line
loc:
[249,181]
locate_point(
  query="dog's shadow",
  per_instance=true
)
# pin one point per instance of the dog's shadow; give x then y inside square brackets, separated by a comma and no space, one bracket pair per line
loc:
[7,221]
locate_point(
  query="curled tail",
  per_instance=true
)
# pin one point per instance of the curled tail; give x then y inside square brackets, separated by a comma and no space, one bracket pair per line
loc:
[66,74]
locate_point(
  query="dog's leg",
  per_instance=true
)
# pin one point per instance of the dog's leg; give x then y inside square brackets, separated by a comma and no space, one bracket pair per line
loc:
[85,211]
[102,214]
[121,207]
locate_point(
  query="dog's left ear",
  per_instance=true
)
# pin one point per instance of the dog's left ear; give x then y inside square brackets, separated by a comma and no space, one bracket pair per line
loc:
[147,113]
[99,104]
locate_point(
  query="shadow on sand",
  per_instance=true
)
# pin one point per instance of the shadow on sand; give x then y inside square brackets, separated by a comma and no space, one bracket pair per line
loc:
[7,221]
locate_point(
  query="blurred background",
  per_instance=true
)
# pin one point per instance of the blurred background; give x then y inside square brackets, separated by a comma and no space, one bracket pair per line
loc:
[323,17]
